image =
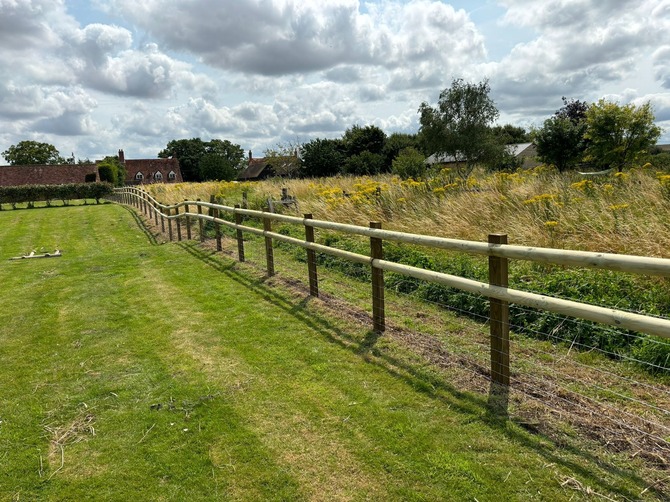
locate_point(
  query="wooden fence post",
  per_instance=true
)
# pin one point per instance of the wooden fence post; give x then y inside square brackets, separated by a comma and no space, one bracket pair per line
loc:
[377,252]
[169,213]
[240,235]
[162,222]
[200,225]
[269,252]
[499,314]
[178,221]
[188,222]
[217,227]
[311,260]
[153,205]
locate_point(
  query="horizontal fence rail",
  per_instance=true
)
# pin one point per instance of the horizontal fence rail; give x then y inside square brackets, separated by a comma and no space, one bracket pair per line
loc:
[498,251]
[607,261]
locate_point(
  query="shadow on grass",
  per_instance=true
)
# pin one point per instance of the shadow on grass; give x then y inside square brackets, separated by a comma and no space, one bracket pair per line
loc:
[141,224]
[478,408]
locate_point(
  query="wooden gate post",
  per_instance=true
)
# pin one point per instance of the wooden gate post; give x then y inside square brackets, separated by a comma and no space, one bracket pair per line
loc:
[377,253]
[269,252]
[240,235]
[188,222]
[499,314]
[311,260]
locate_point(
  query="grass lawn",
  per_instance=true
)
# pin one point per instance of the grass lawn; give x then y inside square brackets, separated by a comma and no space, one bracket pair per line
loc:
[136,371]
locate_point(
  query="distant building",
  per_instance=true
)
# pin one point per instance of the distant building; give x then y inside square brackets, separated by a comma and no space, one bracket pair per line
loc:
[138,171]
[257,169]
[526,152]
[58,174]
[143,171]
[267,167]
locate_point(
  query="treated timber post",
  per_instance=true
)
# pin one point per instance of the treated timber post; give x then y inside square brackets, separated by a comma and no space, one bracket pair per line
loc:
[188,222]
[269,252]
[200,225]
[217,227]
[377,253]
[178,220]
[240,236]
[169,213]
[153,205]
[311,260]
[162,222]
[499,314]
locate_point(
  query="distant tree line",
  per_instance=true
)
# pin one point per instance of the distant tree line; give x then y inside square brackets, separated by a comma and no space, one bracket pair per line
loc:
[459,129]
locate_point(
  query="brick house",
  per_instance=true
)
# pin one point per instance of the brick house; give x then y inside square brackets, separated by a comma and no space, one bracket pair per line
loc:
[141,171]
[138,171]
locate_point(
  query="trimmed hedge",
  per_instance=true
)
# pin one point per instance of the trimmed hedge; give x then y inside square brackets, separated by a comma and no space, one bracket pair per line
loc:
[47,193]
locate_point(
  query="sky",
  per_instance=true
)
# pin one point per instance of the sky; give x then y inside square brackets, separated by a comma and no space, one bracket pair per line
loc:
[93,77]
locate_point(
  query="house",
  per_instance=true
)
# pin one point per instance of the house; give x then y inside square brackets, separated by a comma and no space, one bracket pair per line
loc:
[267,167]
[138,171]
[526,152]
[257,169]
[142,171]
[57,174]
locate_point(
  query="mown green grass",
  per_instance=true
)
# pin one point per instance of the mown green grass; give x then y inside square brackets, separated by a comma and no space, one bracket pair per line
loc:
[135,371]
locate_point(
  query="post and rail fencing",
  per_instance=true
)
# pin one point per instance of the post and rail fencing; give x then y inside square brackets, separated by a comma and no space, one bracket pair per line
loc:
[498,251]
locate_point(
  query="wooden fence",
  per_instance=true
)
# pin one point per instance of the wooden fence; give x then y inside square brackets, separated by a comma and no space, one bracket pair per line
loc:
[498,251]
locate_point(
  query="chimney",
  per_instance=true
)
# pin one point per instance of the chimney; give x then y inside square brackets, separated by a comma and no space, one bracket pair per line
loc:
[250,155]
[122,158]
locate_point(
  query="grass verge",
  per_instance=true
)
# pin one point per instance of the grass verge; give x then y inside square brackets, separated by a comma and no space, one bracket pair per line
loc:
[167,372]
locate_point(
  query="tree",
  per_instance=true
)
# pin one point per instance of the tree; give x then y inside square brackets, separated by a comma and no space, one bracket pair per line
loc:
[560,142]
[322,157]
[357,140]
[460,125]
[222,160]
[364,163]
[510,134]
[112,170]
[395,144]
[188,152]
[573,109]
[619,135]
[410,163]
[32,152]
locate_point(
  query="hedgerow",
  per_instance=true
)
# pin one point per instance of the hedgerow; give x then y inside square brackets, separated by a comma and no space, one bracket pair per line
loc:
[47,193]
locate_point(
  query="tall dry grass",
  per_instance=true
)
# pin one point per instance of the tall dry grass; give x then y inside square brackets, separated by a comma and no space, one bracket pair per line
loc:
[620,213]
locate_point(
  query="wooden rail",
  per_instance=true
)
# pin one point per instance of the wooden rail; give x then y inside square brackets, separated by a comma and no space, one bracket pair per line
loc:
[497,249]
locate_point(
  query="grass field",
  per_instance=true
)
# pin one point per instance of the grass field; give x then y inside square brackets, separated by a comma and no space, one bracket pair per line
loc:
[137,371]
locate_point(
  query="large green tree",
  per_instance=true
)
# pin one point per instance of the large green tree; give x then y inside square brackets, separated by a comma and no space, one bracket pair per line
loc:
[322,157]
[396,143]
[618,135]
[188,152]
[560,142]
[222,163]
[222,160]
[460,125]
[32,152]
